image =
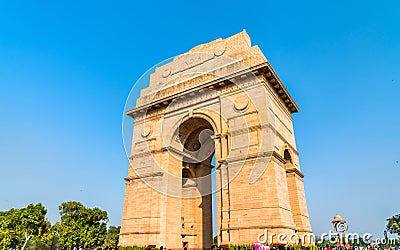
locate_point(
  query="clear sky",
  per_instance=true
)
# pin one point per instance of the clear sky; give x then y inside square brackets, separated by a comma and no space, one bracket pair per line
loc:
[66,69]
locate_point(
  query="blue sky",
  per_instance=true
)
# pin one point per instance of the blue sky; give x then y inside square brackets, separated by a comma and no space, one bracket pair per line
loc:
[66,69]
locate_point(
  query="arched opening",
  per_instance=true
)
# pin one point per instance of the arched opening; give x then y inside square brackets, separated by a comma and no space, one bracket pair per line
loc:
[288,159]
[197,137]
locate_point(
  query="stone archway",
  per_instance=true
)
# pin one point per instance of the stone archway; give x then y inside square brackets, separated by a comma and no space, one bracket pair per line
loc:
[196,135]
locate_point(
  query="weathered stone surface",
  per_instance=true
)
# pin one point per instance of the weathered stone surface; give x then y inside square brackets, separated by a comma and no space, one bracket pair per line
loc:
[220,99]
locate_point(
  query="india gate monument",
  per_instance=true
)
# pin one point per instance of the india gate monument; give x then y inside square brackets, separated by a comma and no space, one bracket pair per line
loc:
[213,128]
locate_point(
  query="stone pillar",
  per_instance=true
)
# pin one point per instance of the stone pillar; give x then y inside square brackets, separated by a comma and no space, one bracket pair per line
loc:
[298,202]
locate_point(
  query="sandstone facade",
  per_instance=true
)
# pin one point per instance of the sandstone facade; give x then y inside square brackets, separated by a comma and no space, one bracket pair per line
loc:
[223,101]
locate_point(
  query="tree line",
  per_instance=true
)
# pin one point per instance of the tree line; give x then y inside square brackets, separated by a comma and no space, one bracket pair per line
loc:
[79,227]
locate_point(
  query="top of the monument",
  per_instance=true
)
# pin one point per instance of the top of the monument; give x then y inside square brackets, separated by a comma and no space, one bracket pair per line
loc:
[210,63]
[238,42]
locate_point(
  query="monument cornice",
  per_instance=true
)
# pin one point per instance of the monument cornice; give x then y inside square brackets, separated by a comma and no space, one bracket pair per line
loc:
[295,171]
[141,176]
[263,68]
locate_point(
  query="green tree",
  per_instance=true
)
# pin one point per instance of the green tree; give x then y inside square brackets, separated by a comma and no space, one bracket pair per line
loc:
[38,243]
[112,238]
[80,225]
[18,226]
[393,225]
[8,235]
[32,222]
[215,240]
